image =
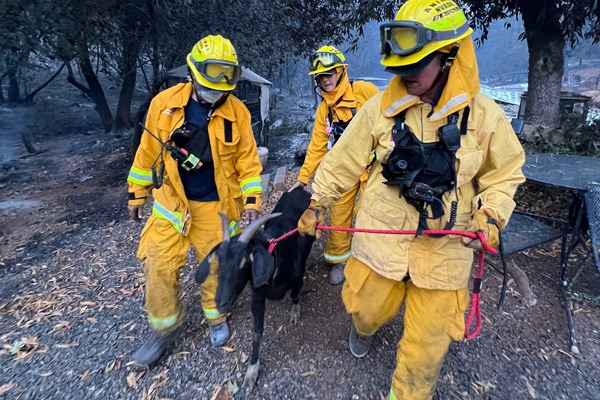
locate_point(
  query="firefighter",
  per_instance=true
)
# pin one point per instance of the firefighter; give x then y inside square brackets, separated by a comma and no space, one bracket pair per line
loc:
[446,157]
[220,172]
[341,101]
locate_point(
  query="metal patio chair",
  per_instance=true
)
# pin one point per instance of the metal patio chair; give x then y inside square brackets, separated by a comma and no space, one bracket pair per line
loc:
[525,231]
[592,200]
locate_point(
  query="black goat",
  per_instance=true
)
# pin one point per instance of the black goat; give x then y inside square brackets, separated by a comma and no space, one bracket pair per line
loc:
[245,257]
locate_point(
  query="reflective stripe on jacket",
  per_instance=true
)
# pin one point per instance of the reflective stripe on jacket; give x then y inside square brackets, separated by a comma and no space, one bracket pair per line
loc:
[237,167]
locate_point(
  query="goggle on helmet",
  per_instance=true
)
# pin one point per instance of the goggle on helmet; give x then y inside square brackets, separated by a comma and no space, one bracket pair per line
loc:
[325,59]
[216,71]
[403,38]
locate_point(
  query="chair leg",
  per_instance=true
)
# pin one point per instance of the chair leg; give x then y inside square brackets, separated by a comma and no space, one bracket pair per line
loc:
[563,288]
[564,255]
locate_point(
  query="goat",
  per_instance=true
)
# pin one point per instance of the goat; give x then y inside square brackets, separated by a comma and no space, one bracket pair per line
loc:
[245,257]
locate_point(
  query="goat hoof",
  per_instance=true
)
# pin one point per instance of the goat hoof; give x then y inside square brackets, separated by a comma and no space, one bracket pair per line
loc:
[252,375]
[295,314]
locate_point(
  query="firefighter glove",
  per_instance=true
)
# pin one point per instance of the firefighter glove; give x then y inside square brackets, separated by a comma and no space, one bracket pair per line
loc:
[482,221]
[308,221]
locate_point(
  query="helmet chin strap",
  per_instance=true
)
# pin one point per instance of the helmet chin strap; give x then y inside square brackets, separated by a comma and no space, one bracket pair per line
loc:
[340,77]
[447,63]
[336,84]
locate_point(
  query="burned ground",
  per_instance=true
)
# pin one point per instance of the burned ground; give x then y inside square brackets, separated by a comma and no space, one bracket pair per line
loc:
[71,298]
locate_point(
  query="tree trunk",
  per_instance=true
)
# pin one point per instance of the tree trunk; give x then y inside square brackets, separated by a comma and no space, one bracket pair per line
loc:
[546,43]
[13,87]
[96,92]
[157,78]
[94,88]
[130,55]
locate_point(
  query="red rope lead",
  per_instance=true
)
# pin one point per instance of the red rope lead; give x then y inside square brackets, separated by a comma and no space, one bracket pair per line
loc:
[475,310]
[273,242]
[478,235]
[475,303]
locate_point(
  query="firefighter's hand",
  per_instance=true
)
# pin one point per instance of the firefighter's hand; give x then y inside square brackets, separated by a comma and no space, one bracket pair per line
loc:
[482,222]
[136,212]
[308,221]
[298,184]
[249,216]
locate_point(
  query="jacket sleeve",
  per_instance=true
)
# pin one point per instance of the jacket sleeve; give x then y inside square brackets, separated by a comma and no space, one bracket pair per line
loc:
[140,174]
[247,164]
[346,162]
[500,172]
[317,148]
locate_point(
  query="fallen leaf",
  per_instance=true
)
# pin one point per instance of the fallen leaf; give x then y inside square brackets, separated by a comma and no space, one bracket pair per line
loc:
[220,394]
[308,373]
[88,303]
[5,388]
[92,320]
[131,380]
[565,353]
[14,349]
[531,390]
[182,354]
[161,375]
[227,349]
[85,375]
[66,345]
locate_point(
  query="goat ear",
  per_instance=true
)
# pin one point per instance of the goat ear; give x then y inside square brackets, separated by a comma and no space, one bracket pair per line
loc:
[204,267]
[263,266]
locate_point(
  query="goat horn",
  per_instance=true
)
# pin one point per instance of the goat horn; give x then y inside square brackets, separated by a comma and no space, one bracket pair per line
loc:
[225,224]
[253,227]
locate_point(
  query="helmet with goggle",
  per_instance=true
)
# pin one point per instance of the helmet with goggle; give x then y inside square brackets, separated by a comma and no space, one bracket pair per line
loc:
[214,65]
[420,28]
[326,59]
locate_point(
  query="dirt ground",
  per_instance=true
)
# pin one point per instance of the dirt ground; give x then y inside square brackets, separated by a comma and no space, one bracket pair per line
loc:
[71,296]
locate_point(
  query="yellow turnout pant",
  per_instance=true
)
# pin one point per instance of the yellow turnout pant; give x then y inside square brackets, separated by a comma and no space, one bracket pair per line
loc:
[341,214]
[164,250]
[433,318]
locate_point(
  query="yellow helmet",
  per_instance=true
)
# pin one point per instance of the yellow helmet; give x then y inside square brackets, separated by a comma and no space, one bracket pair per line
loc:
[420,28]
[213,64]
[326,59]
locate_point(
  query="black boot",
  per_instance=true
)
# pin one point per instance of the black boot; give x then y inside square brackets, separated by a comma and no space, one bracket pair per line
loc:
[359,345]
[155,346]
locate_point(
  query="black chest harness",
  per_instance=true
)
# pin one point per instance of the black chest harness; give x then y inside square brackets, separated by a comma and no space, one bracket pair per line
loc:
[336,128]
[423,172]
[195,141]
[191,149]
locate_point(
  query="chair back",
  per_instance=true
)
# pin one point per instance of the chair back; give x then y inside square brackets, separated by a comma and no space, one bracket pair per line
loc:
[592,201]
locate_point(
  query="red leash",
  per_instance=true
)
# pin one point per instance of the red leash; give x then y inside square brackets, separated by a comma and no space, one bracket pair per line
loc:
[475,310]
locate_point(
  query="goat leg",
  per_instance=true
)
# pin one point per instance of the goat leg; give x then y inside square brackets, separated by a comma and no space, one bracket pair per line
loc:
[258,314]
[295,311]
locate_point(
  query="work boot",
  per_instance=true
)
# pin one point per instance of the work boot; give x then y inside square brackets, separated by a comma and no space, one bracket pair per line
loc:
[219,334]
[336,276]
[155,346]
[359,345]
